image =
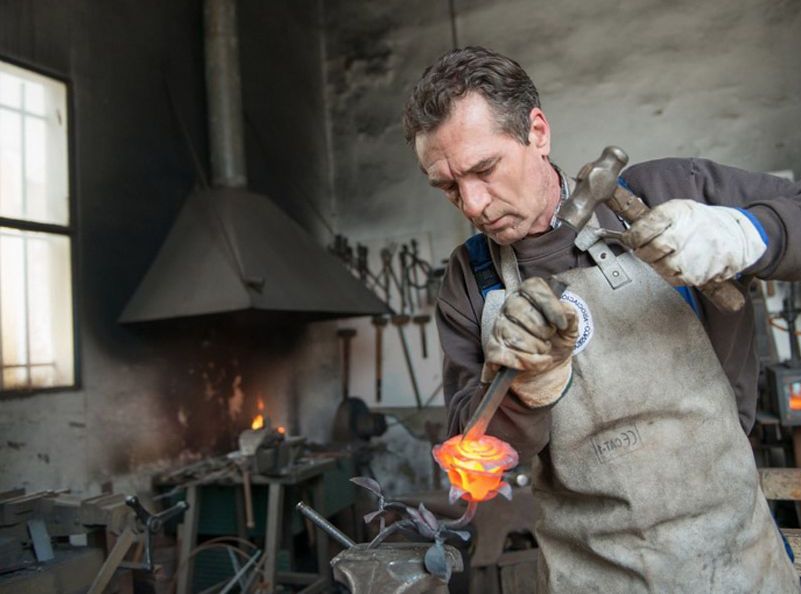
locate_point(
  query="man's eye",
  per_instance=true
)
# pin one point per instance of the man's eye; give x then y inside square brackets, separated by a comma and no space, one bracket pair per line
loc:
[486,172]
[452,192]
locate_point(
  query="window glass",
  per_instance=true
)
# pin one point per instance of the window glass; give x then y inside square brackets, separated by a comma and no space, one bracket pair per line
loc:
[34,180]
[36,321]
[35,309]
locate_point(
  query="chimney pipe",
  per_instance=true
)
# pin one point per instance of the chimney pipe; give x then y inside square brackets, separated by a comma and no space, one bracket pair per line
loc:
[224,95]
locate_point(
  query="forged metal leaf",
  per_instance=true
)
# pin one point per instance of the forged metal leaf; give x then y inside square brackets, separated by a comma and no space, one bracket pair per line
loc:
[454,494]
[505,490]
[463,534]
[419,522]
[437,563]
[428,517]
[372,516]
[414,514]
[368,483]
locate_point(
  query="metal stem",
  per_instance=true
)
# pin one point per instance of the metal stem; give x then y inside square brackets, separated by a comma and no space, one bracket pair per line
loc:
[324,525]
[466,518]
[384,534]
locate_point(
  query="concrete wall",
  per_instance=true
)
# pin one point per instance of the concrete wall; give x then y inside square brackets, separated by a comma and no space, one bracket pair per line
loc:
[150,397]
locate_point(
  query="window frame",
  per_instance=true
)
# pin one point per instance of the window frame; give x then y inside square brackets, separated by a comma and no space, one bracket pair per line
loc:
[70,231]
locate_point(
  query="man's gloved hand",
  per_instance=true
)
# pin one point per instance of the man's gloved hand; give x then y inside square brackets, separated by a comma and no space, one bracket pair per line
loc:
[689,243]
[535,333]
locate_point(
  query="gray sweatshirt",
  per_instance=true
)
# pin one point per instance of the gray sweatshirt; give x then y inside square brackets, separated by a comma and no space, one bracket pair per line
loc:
[774,201]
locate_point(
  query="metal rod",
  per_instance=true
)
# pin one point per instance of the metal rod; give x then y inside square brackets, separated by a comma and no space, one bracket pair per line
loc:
[492,399]
[324,525]
[236,566]
[234,580]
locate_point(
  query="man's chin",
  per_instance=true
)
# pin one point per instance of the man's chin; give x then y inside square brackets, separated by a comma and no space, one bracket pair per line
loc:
[504,236]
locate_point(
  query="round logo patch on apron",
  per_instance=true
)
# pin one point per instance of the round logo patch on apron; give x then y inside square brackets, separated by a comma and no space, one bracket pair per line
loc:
[585,325]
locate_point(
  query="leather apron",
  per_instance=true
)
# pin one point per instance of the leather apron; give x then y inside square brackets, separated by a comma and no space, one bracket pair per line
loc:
[649,483]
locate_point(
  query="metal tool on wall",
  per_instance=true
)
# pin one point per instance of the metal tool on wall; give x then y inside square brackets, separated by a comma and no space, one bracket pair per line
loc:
[399,321]
[402,277]
[421,321]
[345,336]
[402,281]
[379,322]
[353,420]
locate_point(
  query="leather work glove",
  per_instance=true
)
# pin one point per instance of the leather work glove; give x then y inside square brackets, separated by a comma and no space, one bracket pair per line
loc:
[689,243]
[535,333]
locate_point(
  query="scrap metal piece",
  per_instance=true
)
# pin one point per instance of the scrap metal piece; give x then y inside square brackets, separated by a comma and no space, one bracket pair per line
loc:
[42,546]
[324,525]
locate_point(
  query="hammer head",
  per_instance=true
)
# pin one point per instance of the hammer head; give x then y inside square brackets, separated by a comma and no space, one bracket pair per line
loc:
[595,183]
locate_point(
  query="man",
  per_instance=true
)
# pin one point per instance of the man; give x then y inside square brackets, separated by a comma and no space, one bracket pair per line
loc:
[632,399]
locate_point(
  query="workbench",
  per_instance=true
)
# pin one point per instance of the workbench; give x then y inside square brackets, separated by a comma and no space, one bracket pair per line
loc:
[216,509]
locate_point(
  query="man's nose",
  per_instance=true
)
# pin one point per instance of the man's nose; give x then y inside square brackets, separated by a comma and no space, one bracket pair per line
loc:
[474,198]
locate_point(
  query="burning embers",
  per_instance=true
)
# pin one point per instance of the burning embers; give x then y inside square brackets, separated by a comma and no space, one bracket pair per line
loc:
[268,448]
[259,420]
[475,467]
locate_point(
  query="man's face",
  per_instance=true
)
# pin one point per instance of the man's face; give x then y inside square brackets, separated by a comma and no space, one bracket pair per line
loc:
[508,190]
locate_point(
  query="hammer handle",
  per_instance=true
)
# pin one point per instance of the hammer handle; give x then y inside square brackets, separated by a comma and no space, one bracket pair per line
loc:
[379,360]
[246,488]
[725,295]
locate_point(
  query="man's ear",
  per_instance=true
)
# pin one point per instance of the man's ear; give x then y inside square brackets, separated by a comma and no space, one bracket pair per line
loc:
[539,133]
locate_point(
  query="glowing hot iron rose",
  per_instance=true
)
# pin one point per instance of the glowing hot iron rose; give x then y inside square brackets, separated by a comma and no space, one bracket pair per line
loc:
[475,467]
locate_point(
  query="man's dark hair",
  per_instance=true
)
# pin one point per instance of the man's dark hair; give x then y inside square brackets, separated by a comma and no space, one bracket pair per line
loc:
[500,80]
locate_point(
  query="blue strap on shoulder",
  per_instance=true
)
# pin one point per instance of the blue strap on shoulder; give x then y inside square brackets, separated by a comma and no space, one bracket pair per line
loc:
[688,294]
[480,258]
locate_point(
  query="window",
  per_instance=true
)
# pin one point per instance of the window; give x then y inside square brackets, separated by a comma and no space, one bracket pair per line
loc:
[36,314]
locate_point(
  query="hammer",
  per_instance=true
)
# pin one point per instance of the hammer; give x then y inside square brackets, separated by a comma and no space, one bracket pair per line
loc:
[379,322]
[597,182]
[421,322]
[345,335]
